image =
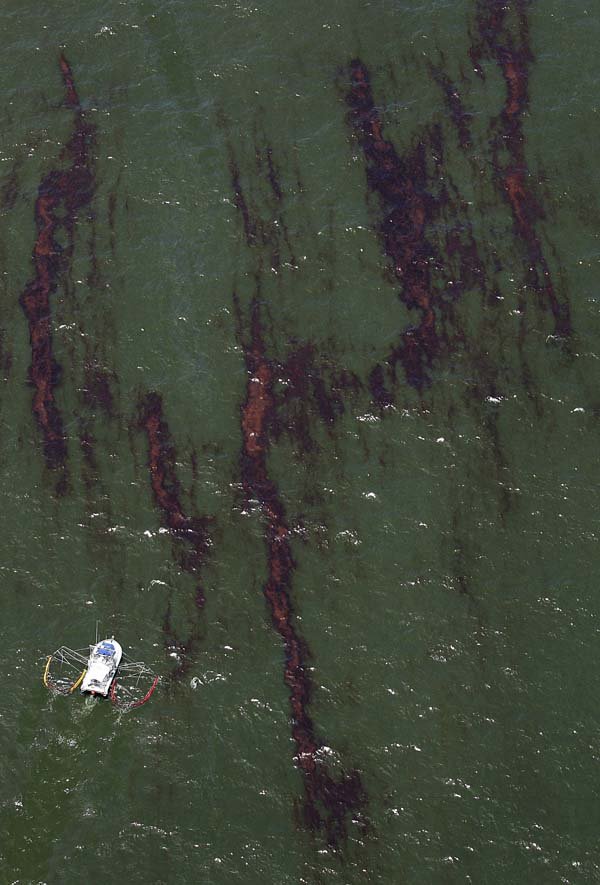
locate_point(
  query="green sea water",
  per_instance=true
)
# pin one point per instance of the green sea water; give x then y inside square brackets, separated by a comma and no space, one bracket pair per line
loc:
[445,546]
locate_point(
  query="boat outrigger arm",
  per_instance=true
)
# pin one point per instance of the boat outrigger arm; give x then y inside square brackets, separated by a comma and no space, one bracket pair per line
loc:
[102,671]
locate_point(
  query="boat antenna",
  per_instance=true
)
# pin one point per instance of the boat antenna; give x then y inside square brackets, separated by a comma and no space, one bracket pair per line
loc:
[96,643]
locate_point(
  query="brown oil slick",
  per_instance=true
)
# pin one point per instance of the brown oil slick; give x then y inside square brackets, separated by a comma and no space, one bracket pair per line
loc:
[402,186]
[268,170]
[504,38]
[250,227]
[329,800]
[190,534]
[426,233]
[428,238]
[98,391]
[273,175]
[380,393]
[310,383]
[98,399]
[285,395]
[9,189]
[458,114]
[266,232]
[313,386]
[62,195]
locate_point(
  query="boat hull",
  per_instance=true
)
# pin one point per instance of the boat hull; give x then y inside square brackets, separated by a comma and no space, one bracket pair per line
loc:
[102,667]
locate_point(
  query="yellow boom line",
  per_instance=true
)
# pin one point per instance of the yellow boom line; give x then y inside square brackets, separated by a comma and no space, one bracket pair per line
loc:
[46,671]
[75,684]
[47,682]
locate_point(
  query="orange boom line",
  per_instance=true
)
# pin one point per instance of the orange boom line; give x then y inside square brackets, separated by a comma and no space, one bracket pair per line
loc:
[131,705]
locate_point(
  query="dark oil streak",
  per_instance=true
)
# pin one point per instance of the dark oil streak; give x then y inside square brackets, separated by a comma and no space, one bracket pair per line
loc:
[460,117]
[270,230]
[9,190]
[377,387]
[400,183]
[65,191]
[6,357]
[112,209]
[485,387]
[98,397]
[96,498]
[413,199]
[240,203]
[112,215]
[327,801]
[94,278]
[190,533]
[312,386]
[273,176]
[98,392]
[510,47]
[274,180]
[10,185]
[417,194]
[99,407]
[465,555]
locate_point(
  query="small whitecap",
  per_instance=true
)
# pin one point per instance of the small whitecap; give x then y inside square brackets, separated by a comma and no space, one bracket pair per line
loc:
[368,418]
[349,536]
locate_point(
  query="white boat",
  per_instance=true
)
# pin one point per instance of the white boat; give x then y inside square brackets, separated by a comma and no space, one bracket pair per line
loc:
[102,667]
[97,669]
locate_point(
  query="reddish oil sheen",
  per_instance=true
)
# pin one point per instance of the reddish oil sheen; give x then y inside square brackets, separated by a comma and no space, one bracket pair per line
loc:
[401,183]
[191,533]
[328,800]
[62,194]
[504,37]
